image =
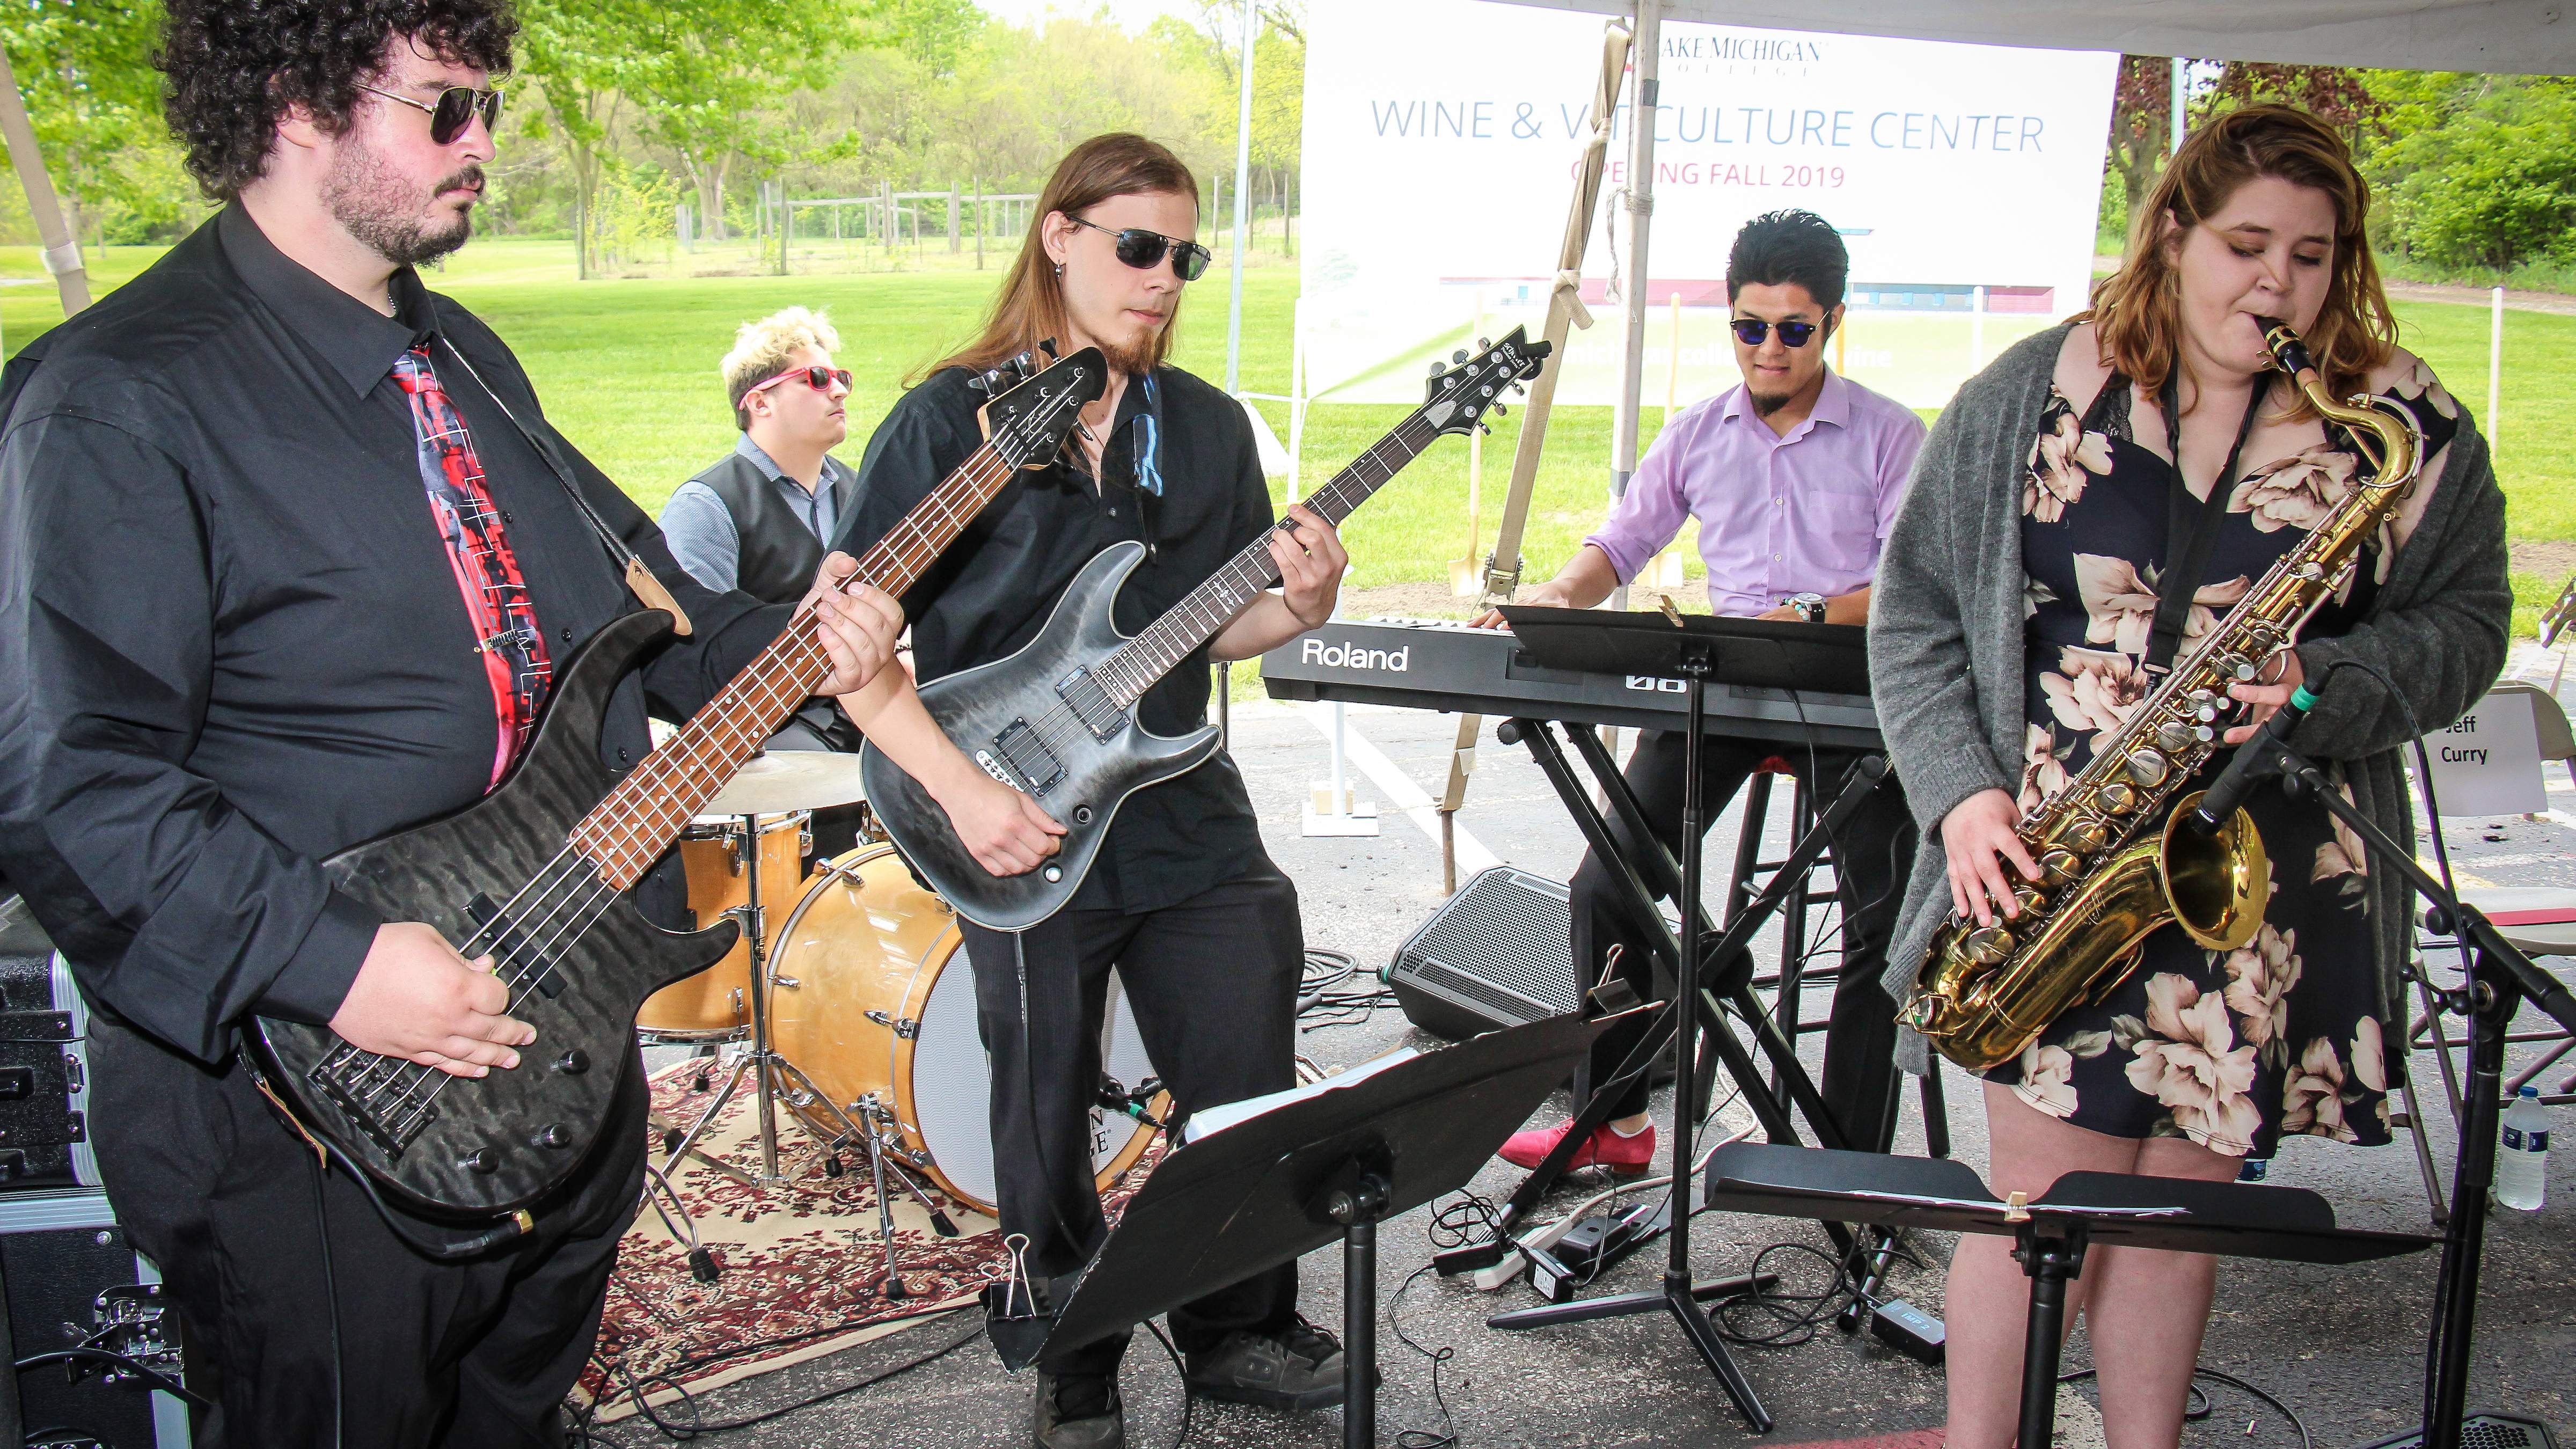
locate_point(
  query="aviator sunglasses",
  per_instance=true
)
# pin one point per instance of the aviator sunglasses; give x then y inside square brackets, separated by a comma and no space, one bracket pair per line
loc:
[818,378]
[1144,250]
[454,107]
[1753,331]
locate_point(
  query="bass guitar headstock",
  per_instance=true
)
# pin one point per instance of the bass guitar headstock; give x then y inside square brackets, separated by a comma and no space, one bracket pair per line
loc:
[1028,412]
[1465,389]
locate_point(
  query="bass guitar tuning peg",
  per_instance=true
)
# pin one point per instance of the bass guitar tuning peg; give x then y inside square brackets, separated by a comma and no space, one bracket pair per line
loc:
[1484,344]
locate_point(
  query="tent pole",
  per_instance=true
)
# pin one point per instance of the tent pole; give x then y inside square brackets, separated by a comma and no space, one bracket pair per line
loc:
[60,249]
[1565,311]
[1242,180]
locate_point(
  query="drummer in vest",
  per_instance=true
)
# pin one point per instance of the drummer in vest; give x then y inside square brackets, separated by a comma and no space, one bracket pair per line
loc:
[757,520]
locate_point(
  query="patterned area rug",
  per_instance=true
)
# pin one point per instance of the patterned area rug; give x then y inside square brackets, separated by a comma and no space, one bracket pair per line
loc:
[801,1267]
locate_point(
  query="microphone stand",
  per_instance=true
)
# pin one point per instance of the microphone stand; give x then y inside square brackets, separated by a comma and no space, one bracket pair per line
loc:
[2500,978]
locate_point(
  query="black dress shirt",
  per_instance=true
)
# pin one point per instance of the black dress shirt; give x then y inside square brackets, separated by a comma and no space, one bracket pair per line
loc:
[230,640]
[989,594]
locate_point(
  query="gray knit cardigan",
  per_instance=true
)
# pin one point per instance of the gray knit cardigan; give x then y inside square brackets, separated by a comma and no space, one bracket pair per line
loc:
[1945,643]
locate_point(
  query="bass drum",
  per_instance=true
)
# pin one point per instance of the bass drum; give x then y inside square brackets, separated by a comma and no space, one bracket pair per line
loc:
[871,995]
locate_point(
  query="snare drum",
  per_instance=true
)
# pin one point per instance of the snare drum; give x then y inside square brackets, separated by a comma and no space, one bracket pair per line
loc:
[711,1005]
[871,996]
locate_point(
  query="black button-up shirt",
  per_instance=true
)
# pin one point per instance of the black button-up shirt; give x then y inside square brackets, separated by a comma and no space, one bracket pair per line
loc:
[989,594]
[230,640]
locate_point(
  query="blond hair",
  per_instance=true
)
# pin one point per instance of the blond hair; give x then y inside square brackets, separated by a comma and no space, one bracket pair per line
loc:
[761,349]
[2137,309]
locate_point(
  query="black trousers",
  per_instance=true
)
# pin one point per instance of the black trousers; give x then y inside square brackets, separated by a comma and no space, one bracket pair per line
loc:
[1873,854]
[1213,982]
[214,1188]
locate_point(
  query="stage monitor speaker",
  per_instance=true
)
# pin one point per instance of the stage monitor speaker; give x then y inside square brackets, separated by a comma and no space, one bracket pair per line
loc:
[2481,1430]
[1494,955]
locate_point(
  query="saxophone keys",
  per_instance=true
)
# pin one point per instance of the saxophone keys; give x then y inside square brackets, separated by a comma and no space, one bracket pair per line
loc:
[2173,735]
[2118,798]
[2057,867]
[2088,835]
[2148,768]
[2030,897]
[1989,945]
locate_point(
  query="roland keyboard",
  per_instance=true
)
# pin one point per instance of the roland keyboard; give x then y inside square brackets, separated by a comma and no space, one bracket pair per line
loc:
[1440,665]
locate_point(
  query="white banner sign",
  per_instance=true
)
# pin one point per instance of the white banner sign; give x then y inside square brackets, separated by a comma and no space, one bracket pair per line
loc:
[1442,137]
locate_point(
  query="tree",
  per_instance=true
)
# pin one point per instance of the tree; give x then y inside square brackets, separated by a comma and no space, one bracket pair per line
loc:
[694,71]
[2476,171]
[84,70]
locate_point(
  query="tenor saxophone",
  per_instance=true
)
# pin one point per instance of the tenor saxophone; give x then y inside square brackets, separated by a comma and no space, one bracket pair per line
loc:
[2115,859]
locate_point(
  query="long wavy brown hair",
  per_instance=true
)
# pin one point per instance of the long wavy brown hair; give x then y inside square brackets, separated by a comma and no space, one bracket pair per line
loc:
[1030,307]
[2137,310]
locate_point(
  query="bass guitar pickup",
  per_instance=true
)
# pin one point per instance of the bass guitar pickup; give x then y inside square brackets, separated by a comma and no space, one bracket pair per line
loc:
[510,951]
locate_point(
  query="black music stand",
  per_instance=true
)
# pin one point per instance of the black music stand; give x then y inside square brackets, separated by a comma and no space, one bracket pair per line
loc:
[1704,652]
[1333,1165]
[2051,1234]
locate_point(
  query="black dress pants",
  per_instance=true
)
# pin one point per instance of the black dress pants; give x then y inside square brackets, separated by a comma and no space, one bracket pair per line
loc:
[1873,854]
[1213,982]
[217,1191]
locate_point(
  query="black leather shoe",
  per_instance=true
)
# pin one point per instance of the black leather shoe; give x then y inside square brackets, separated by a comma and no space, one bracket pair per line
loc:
[1296,1367]
[1079,1411]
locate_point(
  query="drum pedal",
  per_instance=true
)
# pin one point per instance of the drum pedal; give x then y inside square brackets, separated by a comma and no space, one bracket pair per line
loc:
[703,1265]
[832,1164]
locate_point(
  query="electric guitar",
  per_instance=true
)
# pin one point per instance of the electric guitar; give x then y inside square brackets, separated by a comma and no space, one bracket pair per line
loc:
[1057,720]
[536,875]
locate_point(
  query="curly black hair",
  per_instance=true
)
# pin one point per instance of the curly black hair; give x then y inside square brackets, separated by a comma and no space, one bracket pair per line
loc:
[234,66]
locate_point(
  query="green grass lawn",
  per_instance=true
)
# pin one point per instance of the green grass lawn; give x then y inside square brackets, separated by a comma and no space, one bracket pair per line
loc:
[627,369]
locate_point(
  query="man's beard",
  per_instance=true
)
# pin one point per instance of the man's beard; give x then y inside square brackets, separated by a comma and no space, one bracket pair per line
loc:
[1764,405]
[1135,355]
[377,206]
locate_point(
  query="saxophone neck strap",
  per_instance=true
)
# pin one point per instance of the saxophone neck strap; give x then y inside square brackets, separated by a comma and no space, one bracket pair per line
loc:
[2191,524]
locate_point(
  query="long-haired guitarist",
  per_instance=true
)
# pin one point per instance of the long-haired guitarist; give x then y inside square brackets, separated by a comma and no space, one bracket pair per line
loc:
[279,576]
[1201,926]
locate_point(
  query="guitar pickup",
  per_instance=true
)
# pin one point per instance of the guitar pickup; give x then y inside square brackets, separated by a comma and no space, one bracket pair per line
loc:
[1091,703]
[1027,754]
[508,949]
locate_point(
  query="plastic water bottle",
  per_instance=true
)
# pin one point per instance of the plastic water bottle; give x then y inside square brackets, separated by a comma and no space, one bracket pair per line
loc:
[2522,1167]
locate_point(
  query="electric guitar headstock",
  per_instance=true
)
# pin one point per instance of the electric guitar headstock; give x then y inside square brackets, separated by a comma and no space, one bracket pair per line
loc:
[1463,391]
[1029,412]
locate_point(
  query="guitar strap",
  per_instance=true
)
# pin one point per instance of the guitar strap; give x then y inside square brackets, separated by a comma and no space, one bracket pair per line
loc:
[639,577]
[2191,524]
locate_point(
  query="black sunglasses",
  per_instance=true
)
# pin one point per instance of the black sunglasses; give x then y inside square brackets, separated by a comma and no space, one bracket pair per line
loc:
[1144,250]
[454,107]
[1753,331]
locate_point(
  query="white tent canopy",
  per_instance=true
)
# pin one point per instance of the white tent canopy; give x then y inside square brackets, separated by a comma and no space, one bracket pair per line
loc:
[2529,36]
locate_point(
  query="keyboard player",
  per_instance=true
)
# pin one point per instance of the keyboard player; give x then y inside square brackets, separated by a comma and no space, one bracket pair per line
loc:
[1794,477]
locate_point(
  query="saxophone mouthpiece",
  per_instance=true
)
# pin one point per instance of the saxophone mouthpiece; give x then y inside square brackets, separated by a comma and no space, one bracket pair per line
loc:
[2288,352]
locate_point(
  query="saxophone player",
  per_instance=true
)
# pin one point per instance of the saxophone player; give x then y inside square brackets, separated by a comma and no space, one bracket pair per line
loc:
[2097,499]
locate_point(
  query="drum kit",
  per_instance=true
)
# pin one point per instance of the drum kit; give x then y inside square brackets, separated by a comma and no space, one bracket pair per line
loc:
[849,1002]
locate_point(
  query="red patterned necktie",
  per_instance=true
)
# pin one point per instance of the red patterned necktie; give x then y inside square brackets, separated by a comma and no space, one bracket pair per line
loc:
[478,553]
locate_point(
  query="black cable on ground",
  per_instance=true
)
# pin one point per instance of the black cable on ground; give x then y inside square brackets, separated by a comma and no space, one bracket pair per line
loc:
[2205,1408]
[584,1427]
[1180,1374]
[1447,1438]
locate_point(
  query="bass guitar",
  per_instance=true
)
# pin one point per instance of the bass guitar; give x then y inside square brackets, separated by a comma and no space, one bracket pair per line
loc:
[1057,720]
[537,873]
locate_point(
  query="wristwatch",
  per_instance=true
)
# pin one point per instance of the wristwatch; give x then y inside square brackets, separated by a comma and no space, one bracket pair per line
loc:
[1810,606]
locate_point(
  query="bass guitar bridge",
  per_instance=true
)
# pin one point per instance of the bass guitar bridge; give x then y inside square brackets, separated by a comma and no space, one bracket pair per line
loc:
[365,1086]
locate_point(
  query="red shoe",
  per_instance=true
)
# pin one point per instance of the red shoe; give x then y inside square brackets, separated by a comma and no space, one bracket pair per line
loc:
[1627,1156]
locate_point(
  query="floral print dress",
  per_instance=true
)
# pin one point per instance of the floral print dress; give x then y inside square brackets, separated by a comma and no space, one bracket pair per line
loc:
[2231,1049]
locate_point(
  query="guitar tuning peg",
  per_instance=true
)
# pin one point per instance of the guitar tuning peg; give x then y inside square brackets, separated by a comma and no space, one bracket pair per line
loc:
[979,383]
[1501,411]
[1435,367]
[1458,356]
[1484,344]
[1485,428]
[1026,363]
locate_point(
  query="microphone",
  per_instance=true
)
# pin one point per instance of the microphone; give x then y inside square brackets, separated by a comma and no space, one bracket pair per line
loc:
[2256,760]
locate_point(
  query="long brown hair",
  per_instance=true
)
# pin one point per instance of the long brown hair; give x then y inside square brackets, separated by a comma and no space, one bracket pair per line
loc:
[2137,310]
[1030,307]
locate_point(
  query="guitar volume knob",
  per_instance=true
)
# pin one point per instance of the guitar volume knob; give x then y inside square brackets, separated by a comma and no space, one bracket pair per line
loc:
[1054,874]
[573,1063]
[482,1160]
[553,1135]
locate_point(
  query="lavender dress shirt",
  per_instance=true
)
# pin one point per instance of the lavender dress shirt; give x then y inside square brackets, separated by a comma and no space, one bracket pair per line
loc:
[1777,515]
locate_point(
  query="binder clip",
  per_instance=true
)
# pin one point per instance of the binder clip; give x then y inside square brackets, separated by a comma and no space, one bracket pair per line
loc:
[1016,1316]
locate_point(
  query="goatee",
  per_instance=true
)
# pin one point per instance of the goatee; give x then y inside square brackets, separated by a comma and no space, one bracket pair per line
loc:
[375,204]
[1135,354]
[1764,405]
